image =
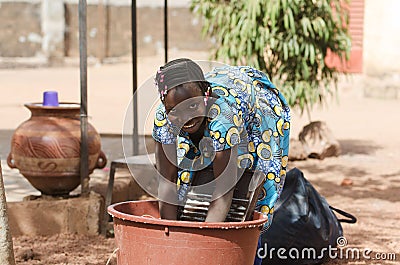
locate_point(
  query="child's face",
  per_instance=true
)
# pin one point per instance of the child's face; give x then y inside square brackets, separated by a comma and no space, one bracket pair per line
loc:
[185,107]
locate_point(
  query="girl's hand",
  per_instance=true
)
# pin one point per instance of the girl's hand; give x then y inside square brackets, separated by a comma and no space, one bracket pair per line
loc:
[166,166]
[225,172]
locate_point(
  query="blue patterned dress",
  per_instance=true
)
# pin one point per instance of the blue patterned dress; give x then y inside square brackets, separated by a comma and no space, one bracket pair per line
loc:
[250,113]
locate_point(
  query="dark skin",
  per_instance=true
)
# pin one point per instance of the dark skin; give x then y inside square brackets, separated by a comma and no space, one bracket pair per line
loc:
[185,108]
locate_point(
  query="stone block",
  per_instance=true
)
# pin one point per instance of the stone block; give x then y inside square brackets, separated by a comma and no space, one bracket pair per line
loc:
[45,215]
[125,187]
[318,140]
[296,150]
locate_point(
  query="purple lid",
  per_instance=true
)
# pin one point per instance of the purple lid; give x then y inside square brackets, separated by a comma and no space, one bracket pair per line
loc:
[50,98]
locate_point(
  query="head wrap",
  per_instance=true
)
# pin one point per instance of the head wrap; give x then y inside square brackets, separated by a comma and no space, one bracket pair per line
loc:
[177,72]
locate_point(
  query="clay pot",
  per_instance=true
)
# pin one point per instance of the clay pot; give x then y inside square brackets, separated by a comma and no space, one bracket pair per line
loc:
[142,238]
[46,148]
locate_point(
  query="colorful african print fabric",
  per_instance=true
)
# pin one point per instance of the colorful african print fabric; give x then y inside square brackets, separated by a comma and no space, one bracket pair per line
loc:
[250,113]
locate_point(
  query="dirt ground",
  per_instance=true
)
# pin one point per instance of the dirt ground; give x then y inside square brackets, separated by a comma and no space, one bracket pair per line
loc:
[64,249]
[367,129]
[373,198]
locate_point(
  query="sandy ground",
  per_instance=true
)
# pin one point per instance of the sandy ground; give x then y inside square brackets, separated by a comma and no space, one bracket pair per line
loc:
[367,129]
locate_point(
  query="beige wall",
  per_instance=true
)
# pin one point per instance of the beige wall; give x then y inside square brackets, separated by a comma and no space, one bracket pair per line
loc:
[382,37]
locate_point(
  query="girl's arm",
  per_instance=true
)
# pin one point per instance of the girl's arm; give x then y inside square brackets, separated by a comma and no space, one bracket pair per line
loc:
[166,166]
[225,172]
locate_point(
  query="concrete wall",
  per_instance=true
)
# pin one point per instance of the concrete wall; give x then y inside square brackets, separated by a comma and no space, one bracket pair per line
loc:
[22,36]
[50,28]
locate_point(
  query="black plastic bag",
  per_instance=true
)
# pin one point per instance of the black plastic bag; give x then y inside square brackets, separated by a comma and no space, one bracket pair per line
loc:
[304,225]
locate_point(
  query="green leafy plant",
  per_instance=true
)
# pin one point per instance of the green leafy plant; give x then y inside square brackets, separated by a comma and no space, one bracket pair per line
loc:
[287,39]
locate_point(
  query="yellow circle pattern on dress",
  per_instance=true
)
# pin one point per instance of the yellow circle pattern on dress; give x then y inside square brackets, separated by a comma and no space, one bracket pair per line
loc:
[286,125]
[271,176]
[240,82]
[220,91]
[222,140]
[213,112]
[279,125]
[266,136]
[264,151]
[278,110]
[233,92]
[249,87]
[185,177]
[259,118]
[241,161]
[223,72]
[184,146]
[256,84]
[243,69]
[237,121]
[285,160]
[264,209]
[160,122]
[181,152]
[232,136]
[277,179]
[251,147]
[215,134]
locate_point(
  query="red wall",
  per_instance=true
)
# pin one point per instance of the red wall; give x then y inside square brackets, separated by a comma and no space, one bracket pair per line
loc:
[356,28]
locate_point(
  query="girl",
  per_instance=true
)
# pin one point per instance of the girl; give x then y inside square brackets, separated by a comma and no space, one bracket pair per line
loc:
[231,120]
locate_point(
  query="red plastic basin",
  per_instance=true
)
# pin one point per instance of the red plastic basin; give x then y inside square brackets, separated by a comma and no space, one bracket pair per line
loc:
[144,239]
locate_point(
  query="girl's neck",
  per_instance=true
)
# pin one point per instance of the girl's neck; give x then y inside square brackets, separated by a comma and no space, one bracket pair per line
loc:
[198,135]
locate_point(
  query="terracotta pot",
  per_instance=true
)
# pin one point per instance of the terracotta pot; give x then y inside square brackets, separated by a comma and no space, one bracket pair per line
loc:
[142,238]
[46,148]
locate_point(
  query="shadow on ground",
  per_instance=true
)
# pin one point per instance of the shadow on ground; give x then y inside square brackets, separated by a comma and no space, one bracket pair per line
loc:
[319,167]
[365,190]
[360,147]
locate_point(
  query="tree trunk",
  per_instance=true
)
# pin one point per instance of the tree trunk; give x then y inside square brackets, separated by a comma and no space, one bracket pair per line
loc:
[6,245]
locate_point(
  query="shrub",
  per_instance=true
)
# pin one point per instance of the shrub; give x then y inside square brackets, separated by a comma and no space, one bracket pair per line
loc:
[287,39]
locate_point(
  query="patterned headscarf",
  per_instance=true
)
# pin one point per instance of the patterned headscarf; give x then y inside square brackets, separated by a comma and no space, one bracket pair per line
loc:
[177,72]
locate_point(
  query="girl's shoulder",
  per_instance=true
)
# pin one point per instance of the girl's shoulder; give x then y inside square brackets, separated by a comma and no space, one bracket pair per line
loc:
[244,72]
